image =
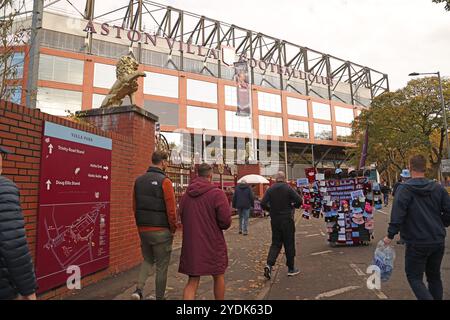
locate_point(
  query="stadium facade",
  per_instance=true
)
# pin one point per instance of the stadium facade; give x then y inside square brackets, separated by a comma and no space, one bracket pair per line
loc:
[300,97]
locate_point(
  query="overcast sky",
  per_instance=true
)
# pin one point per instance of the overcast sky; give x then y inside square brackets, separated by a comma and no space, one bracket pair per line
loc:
[392,36]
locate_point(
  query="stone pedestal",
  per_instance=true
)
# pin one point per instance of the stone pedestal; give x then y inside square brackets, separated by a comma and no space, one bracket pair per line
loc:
[132,122]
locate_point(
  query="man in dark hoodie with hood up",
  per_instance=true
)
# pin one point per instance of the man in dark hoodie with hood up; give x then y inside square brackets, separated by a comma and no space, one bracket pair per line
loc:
[280,200]
[205,213]
[421,212]
[243,200]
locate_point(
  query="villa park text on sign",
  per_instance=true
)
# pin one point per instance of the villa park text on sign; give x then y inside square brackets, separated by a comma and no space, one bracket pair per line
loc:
[73,223]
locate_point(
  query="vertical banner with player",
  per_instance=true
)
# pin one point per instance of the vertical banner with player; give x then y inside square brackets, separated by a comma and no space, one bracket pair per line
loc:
[241,77]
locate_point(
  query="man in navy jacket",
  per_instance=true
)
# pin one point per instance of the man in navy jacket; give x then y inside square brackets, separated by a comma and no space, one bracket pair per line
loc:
[16,266]
[421,212]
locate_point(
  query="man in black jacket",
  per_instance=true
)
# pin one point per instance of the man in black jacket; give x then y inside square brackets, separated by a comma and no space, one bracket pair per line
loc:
[16,266]
[243,200]
[280,200]
[155,213]
[421,212]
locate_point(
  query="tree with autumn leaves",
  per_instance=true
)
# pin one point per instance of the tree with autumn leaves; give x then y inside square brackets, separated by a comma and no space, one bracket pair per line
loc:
[402,123]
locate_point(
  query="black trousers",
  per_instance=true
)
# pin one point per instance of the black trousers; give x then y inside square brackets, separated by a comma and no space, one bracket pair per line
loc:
[424,259]
[283,234]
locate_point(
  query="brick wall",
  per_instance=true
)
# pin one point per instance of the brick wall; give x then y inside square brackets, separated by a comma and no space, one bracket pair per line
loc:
[132,133]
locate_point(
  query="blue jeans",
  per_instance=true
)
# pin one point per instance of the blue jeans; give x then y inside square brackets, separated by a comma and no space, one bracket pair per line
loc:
[243,220]
[386,199]
[420,260]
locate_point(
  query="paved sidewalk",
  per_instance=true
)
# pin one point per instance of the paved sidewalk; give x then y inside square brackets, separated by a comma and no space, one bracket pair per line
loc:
[244,277]
[326,272]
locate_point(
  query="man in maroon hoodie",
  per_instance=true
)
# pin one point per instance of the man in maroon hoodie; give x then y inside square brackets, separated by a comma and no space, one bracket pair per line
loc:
[205,213]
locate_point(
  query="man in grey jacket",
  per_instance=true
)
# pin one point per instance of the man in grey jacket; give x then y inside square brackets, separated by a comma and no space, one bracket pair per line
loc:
[16,266]
[421,212]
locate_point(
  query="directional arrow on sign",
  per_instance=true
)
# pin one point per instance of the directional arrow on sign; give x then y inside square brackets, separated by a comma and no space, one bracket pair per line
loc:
[105,177]
[48,183]
[106,168]
[50,148]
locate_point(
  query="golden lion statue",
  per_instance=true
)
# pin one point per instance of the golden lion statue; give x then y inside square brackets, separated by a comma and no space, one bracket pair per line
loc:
[126,83]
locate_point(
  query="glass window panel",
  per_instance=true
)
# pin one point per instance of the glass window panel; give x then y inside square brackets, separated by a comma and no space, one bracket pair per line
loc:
[61,69]
[166,112]
[322,131]
[298,129]
[201,91]
[57,101]
[344,134]
[14,94]
[237,123]
[270,126]
[344,115]
[321,111]
[104,75]
[202,118]
[161,85]
[269,102]
[97,100]
[230,96]
[16,65]
[297,107]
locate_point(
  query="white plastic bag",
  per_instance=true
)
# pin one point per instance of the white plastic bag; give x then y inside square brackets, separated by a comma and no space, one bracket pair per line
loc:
[384,258]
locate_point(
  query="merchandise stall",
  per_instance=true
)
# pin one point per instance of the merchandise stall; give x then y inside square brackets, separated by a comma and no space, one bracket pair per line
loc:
[347,206]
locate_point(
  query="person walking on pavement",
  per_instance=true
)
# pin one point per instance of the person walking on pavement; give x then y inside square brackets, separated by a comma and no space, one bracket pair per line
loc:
[17,276]
[243,201]
[205,213]
[405,175]
[385,190]
[155,213]
[280,200]
[421,211]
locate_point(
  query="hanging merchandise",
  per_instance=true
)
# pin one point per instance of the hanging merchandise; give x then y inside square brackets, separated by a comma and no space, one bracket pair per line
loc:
[378,204]
[347,209]
[306,206]
[312,201]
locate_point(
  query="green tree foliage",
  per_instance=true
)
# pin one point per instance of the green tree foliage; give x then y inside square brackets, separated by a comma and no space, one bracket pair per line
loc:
[405,122]
[447,3]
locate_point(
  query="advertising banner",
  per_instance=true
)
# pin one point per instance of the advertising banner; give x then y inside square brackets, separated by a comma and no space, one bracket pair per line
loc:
[241,77]
[74,204]
[345,188]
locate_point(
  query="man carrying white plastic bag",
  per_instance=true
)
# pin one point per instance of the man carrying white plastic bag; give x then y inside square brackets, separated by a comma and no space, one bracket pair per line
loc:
[421,212]
[384,259]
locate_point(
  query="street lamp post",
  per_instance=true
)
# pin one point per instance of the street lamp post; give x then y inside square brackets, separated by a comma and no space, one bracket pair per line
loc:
[441,93]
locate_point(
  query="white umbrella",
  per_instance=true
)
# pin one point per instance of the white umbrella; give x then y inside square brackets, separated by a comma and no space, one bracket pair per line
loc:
[253,179]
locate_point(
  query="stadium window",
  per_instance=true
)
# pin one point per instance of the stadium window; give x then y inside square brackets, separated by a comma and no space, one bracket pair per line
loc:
[161,85]
[321,111]
[202,118]
[57,101]
[298,129]
[270,126]
[344,115]
[269,102]
[59,69]
[297,107]
[322,131]
[201,91]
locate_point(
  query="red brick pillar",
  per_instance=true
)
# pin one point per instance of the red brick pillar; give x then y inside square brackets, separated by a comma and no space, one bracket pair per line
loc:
[131,155]
[132,122]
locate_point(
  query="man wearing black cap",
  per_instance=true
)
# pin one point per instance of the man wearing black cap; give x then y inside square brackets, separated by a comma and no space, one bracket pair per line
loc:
[16,266]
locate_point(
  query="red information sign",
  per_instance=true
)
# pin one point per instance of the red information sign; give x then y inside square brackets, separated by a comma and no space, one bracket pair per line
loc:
[74,204]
